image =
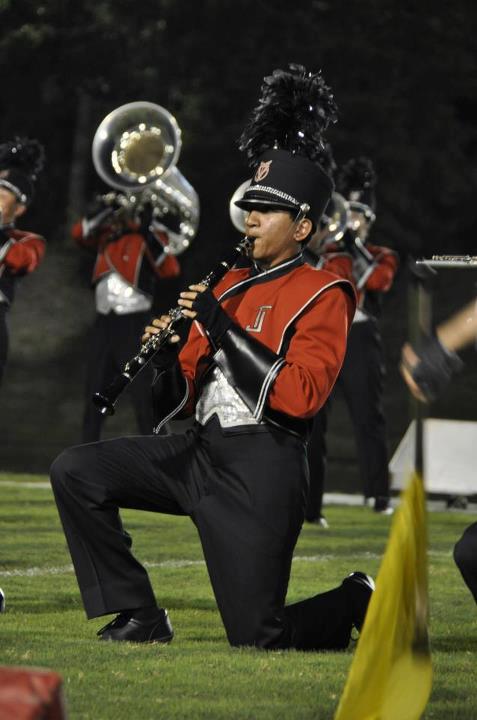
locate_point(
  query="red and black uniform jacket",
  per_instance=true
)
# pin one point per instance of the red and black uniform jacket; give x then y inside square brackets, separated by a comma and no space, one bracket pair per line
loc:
[377,280]
[283,351]
[140,258]
[333,259]
[20,253]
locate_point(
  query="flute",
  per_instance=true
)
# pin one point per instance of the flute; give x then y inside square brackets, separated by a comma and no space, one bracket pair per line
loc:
[450,261]
[106,400]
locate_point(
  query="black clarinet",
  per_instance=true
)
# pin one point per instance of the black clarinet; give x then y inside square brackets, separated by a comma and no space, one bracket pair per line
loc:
[106,400]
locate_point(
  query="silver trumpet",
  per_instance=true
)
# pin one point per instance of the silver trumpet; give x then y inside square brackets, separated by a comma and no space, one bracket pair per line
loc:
[106,400]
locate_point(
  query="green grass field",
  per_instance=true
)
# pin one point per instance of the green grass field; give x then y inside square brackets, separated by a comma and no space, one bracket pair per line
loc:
[198,675]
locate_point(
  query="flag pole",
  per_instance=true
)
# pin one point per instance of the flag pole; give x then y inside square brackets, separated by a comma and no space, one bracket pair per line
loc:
[420,326]
[390,677]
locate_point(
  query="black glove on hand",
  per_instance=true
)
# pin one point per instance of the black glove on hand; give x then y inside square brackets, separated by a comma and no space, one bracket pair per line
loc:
[101,204]
[166,357]
[211,315]
[145,218]
[172,221]
[94,221]
[435,368]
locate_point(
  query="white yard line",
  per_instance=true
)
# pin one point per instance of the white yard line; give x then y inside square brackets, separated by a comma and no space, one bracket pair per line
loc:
[25,484]
[346,499]
[67,569]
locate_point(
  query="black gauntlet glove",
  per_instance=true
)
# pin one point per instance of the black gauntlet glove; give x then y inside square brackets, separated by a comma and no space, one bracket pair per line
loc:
[211,315]
[166,357]
[435,368]
[249,366]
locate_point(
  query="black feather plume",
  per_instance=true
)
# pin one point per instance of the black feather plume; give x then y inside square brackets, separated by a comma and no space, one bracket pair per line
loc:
[357,175]
[327,160]
[23,154]
[293,112]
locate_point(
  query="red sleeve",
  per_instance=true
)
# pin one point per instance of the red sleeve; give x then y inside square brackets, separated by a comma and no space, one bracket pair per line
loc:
[169,267]
[97,238]
[26,254]
[340,264]
[387,263]
[77,232]
[314,357]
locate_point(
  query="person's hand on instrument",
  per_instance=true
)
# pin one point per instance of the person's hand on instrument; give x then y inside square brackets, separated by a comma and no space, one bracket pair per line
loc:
[158,324]
[199,303]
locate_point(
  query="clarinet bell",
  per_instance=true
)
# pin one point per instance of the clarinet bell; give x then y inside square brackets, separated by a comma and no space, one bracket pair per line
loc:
[106,400]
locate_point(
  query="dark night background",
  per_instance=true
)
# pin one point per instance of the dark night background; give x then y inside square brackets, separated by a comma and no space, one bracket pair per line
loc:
[404,77]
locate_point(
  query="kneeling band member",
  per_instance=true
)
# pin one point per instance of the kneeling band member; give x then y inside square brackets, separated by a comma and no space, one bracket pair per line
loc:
[261,357]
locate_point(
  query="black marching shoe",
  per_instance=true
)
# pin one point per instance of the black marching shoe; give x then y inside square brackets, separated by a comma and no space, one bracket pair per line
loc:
[319,520]
[125,626]
[359,587]
[382,506]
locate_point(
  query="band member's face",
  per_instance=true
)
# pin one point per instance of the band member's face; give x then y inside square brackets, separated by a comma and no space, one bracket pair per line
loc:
[276,237]
[10,208]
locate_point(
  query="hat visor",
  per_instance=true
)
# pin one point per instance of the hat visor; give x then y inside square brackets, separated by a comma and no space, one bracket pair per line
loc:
[255,203]
[21,197]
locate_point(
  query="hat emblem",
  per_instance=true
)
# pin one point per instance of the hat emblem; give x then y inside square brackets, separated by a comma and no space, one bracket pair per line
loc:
[4,173]
[262,170]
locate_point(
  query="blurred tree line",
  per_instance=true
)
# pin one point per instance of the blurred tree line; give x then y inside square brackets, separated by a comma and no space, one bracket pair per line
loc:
[403,74]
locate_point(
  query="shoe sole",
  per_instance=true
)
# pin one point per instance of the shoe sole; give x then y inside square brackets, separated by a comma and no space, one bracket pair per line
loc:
[163,640]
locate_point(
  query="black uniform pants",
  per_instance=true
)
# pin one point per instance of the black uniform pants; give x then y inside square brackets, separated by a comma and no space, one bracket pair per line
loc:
[317,458]
[245,494]
[465,556]
[361,382]
[113,341]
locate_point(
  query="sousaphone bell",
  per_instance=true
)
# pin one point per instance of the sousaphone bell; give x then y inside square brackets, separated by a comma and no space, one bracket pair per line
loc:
[135,149]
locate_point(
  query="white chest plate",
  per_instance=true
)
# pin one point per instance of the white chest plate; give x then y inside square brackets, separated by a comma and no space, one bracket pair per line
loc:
[114,294]
[220,398]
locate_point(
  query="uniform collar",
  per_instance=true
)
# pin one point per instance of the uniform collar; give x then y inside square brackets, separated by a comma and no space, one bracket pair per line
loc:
[286,265]
[258,276]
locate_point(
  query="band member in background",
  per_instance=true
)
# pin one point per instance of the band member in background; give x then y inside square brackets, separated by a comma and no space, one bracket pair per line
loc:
[361,377]
[427,370]
[130,243]
[325,252]
[21,159]
[261,357]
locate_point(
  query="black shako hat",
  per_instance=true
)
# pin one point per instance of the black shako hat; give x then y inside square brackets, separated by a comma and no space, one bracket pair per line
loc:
[356,181]
[287,181]
[284,143]
[21,159]
[18,183]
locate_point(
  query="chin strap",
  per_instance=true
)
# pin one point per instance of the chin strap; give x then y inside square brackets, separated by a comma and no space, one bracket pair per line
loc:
[249,367]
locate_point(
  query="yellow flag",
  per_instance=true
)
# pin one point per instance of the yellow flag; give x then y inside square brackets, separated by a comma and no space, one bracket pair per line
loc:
[391,674]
